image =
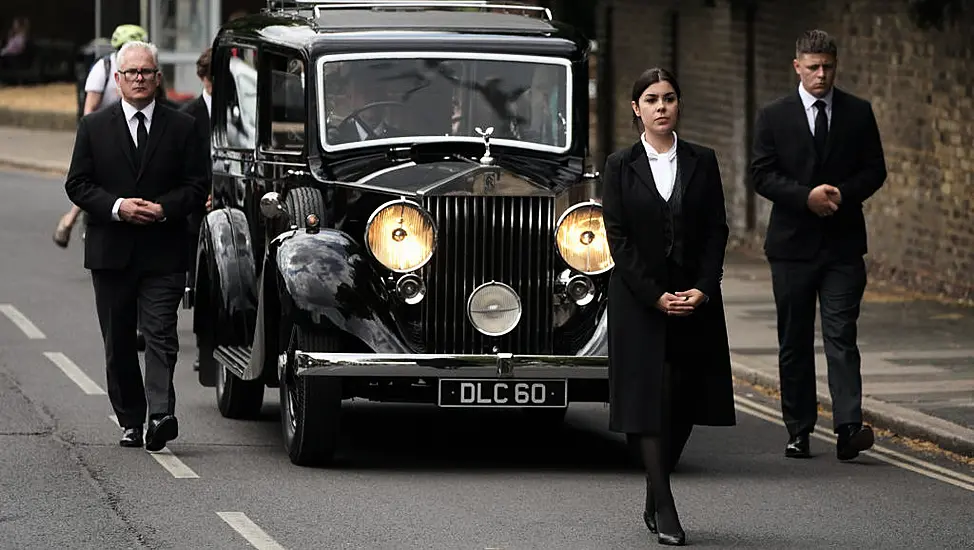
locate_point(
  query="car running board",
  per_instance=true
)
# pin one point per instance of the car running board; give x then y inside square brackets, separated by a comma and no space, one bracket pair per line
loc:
[234,358]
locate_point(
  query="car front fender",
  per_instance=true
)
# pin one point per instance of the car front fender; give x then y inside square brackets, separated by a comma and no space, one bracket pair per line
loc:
[328,275]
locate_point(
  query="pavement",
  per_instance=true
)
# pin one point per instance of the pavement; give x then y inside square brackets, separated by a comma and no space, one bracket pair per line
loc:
[917,351]
[408,476]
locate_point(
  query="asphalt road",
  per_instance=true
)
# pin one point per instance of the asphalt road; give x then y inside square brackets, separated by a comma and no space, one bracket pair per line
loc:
[412,477]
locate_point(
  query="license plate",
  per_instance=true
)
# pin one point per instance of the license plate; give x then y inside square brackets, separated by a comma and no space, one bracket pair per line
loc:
[503,393]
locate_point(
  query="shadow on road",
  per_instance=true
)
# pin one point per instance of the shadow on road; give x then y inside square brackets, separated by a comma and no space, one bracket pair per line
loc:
[384,436]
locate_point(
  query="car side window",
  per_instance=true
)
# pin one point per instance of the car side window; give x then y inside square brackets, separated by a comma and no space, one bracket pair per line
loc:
[235,83]
[286,97]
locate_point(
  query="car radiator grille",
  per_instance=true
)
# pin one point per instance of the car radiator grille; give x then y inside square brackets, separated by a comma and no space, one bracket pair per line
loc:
[483,239]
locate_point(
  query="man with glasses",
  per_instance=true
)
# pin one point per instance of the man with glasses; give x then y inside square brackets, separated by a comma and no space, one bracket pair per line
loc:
[139,171]
[100,92]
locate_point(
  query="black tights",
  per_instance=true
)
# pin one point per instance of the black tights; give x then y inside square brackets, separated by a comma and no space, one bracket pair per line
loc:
[660,454]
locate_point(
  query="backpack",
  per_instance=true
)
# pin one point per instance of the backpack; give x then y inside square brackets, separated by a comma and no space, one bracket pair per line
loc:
[106,60]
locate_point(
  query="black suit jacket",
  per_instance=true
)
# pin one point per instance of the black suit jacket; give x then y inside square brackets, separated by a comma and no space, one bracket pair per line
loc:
[784,171]
[633,212]
[197,110]
[103,169]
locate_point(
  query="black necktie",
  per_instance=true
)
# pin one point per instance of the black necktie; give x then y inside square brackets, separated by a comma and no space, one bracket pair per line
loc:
[141,136]
[821,128]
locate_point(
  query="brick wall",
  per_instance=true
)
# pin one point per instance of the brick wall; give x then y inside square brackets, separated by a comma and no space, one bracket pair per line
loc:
[921,85]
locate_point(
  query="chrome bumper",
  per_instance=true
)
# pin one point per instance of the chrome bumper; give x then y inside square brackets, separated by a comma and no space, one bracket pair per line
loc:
[500,365]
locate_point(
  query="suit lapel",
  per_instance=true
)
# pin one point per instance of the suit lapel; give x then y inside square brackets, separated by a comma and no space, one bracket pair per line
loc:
[122,135]
[155,135]
[686,160]
[640,164]
[835,123]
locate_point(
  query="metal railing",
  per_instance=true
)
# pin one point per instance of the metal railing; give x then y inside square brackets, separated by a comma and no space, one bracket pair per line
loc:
[450,5]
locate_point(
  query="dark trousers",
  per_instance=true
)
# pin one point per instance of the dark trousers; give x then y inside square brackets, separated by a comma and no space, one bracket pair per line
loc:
[125,299]
[838,285]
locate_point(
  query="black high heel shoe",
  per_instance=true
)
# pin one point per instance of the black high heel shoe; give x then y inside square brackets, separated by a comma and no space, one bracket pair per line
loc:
[678,538]
[672,539]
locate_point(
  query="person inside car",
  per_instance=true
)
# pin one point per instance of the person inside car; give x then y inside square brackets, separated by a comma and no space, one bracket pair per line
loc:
[369,109]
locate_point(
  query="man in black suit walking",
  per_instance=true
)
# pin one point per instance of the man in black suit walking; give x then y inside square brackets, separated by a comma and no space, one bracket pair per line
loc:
[818,157]
[199,109]
[137,170]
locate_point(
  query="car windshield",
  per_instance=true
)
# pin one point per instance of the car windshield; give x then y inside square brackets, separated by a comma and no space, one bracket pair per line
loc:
[417,98]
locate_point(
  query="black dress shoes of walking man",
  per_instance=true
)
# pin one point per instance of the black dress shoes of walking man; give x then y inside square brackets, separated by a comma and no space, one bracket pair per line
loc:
[131,437]
[852,440]
[798,447]
[162,430]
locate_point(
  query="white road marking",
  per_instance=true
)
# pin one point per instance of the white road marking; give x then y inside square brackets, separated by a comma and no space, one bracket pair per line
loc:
[250,531]
[878,452]
[74,372]
[22,322]
[167,460]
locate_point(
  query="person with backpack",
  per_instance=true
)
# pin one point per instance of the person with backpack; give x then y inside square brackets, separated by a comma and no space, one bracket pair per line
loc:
[100,91]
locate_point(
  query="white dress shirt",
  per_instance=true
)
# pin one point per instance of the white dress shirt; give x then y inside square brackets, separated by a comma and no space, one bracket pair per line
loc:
[133,123]
[663,166]
[808,100]
[208,100]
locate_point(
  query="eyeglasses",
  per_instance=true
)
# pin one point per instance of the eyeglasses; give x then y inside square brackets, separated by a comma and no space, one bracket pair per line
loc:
[133,74]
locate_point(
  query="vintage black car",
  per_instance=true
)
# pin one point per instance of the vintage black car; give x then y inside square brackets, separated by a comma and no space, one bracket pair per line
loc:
[401,212]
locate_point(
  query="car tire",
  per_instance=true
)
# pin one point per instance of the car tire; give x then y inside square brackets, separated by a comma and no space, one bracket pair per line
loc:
[311,406]
[237,398]
[302,201]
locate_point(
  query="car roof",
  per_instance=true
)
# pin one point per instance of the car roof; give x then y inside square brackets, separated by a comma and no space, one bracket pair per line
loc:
[336,30]
[432,19]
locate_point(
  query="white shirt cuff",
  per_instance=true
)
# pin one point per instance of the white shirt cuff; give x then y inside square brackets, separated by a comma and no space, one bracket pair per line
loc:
[118,203]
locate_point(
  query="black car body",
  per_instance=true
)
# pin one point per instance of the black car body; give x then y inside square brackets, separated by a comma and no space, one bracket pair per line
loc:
[440,245]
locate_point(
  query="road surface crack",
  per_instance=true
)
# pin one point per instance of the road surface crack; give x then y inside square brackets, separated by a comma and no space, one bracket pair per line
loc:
[48,418]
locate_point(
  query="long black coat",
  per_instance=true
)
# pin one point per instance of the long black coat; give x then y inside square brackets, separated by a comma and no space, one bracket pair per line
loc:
[638,332]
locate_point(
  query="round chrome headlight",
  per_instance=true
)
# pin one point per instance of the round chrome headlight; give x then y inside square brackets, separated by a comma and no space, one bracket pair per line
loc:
[401,236]
[581,240]
[494,309]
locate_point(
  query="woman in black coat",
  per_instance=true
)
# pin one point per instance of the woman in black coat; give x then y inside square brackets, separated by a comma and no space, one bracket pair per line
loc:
[669,363]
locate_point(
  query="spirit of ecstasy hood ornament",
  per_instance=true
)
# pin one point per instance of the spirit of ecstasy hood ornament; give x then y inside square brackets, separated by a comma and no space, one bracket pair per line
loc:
[486,160]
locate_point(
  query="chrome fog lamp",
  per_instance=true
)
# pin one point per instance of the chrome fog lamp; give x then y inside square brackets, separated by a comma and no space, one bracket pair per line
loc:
[581,289]
[270,205]
[494,309]
[411,289]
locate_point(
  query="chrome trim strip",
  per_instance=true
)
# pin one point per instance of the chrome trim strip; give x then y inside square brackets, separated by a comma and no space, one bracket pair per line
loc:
[537,59]
[384,171]
[501,365]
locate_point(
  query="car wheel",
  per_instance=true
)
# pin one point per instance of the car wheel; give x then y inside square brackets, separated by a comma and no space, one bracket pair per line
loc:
[238,398]
[302,201]
[310,405]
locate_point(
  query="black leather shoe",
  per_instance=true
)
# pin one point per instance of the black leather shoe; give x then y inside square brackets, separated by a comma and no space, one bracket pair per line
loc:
[852,440]
[798,447]
[131,437]
[650,518]
[161,431]
[196,365]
